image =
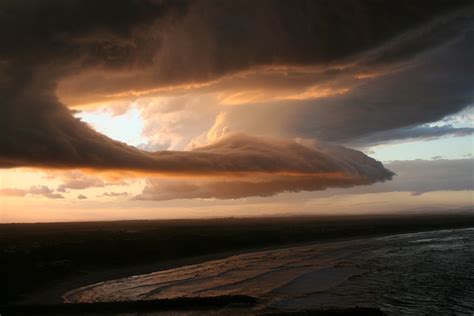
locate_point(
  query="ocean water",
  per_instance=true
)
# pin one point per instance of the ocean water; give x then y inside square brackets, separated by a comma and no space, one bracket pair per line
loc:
[422,273]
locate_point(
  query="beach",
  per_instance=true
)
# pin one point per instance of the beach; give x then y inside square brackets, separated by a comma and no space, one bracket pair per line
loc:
[366,272]
[277,261]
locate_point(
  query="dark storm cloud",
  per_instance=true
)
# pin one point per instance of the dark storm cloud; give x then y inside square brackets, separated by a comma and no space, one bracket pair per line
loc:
[433,85]
[215,39]
[310,168]
[413,133]
[59,32]
[43,41]
[415,176]
[162,190]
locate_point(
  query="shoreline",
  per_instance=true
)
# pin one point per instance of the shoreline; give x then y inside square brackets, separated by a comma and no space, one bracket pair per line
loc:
[54,293]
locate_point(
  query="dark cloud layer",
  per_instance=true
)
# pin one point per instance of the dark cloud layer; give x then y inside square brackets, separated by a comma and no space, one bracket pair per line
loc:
[162,190]
[308,169]
[215,39]
[415,176]
[237,153]
[43,41]
[429,87]
[51,39]
[413,133]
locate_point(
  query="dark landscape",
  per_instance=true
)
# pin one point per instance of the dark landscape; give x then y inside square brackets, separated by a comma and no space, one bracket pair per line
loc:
[40,262]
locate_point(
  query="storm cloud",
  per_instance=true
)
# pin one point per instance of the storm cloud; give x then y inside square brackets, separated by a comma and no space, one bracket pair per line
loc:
[434,85]
[147,45]
[416,176]
[310,168]
[413,133]
[162,189]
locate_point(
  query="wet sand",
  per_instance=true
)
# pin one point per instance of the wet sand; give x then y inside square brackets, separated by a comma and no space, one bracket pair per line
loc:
[54,293]
[411,273]
[41,262]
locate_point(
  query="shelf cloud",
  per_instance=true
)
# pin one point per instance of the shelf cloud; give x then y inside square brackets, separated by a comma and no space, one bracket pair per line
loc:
[301,168]
[382,67]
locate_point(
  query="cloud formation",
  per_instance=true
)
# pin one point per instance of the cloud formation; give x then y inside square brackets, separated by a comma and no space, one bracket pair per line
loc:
[209,41]
[38,190]
[419,177]
[415,176]
[362,68]
[114,194]
[301,167]
[162,189]
[431,86]
[413,133]
[77,181]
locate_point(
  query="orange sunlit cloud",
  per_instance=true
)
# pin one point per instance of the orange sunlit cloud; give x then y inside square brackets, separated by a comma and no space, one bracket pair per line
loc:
[226,106]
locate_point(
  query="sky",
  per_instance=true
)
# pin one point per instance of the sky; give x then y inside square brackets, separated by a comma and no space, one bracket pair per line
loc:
[196,109]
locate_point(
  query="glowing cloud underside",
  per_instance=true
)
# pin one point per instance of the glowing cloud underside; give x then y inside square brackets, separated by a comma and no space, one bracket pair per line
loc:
[141,48]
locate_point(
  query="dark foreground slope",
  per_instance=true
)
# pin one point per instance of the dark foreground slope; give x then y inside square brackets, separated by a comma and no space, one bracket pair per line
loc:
[39,262]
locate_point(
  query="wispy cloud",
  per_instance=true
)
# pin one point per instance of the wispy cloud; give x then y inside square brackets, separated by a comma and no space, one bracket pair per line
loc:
[39,190]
